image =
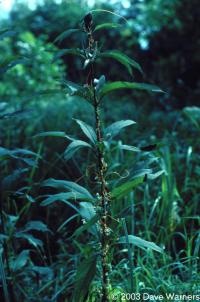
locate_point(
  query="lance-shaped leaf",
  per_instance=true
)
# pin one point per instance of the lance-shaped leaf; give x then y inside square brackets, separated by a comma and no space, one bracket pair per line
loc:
[140,172]
[111,87]
[152,176]
[66,185]
[17,154]
[52,199]
[129,148]
[77,90]
[88,130]
[60,197]
[44,271]
[30,238]
[106,26]
[88,212]
[141,243]
[74,147]
[69,51]
[23,152]
[99,83]
[36,226]
[116,127]
[123,59]
[72,87]
[66,34]
[20,261]
[126,188]
[74,196]
[84,276]
[52,134]
[87,226]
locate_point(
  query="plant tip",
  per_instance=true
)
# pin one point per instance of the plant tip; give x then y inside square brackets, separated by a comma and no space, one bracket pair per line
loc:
[88,21]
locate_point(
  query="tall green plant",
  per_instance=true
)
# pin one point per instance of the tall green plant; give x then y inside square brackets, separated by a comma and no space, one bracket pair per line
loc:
[97,206]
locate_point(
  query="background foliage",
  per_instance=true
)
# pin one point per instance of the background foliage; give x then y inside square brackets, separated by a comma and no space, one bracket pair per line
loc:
[163,36]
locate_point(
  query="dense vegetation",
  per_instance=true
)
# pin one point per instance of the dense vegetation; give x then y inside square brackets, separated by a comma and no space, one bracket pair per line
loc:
[99,191]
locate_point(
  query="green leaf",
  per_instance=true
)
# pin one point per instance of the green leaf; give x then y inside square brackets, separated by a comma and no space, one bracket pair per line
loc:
[77,90]
[87,63]
[87,210]
[30,238]
[152,176]
[20,261]
[84,276]
[74,147]
[45,271]
[66,34]
[129,148]
[66,222]
[100,83]
[116,127]
[30,198]
[127,187]
[19,154]
[88,130]
[110,87]
[89,226]
[192,217]
[23,152]
[106,26]
[141,243]
[69,51]
[36,226]
[64,197]
[72,87]
[123,59]
[52,134]
[66,185]
[140,172]
[54,198]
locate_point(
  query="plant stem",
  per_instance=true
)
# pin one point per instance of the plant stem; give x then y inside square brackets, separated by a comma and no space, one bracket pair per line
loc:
[104,201]
[101,177]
